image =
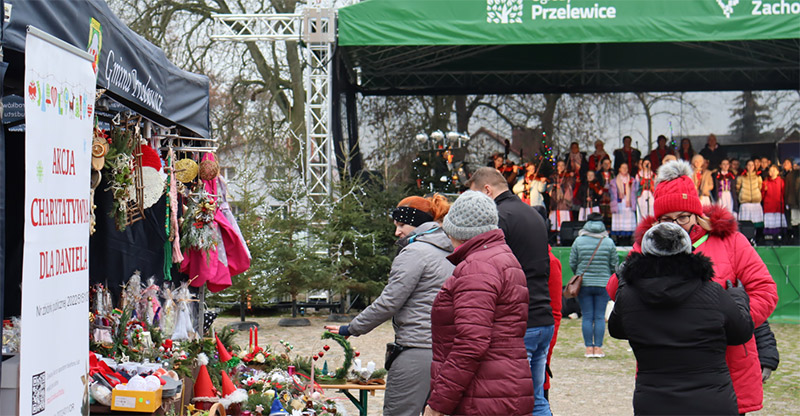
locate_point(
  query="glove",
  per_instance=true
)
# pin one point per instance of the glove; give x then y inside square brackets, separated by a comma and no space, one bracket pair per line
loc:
[765,373]
[738,294]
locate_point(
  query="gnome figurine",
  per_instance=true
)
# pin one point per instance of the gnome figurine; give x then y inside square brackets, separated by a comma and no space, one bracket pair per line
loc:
[277,409]
[232,398]
[205,394]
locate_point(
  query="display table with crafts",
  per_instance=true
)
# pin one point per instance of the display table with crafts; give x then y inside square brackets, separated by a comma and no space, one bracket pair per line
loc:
[364,391]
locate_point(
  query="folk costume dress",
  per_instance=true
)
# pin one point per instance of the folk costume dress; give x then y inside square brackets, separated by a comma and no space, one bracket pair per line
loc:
[594,190]
[605,177]
[561,195]
[623,215]
[772,192]
[749,188]
[722,194]
[530,189]
[703,184]
[643,187]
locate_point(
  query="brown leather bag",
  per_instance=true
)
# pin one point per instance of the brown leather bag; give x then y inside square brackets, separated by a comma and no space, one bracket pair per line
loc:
[574,286]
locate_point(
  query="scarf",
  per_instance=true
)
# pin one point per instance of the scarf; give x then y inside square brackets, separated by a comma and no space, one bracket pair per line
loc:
[623,181]
[575,161]
[698,179]
[599,155]
[646,181]
[725,180]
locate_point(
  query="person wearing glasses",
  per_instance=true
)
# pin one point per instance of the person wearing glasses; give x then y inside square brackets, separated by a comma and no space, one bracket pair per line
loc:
[714,233]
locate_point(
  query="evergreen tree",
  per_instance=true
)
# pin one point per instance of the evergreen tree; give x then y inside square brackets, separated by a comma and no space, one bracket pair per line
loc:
[293,256]
[251,286]
[360,237]
[749,117]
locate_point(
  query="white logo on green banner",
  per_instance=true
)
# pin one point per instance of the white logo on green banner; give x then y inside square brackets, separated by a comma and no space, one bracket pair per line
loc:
[504,11]
[727,8]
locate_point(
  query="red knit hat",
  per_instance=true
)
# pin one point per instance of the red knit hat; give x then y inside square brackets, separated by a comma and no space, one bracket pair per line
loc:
[675,190]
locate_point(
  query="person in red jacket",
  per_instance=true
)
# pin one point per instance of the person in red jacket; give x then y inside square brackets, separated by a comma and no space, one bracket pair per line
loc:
[772,196]
[479,318]
[714,233]
[658,154]
[554,286]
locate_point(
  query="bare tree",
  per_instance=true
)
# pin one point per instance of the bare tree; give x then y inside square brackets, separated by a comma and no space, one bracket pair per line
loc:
[183,29]
[661,104]
[783,108]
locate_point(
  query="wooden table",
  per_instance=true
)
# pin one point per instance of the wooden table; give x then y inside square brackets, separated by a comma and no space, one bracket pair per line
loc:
[363,390]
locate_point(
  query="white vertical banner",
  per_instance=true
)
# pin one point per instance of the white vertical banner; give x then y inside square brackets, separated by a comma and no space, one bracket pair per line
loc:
[59,110]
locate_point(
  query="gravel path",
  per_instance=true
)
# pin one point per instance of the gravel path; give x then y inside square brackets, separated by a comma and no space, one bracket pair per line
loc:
[581,386]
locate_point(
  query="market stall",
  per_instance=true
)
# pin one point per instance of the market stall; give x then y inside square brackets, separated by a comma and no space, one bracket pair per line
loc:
[137,209]
[114,205]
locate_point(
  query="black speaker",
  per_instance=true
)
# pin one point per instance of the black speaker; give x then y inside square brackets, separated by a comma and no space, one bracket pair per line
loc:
[748,229]
[569,231]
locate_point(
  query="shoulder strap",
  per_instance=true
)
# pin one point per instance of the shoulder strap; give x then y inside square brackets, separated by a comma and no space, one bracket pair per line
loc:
[595,252]
[414,237]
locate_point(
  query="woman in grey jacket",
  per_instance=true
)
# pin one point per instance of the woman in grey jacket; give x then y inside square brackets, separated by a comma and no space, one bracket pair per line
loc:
[417,274]
[593,296]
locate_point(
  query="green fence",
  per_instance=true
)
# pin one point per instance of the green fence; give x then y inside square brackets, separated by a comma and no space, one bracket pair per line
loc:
[783,264]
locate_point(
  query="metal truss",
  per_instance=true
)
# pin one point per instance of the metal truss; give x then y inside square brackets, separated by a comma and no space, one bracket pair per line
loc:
[263,27]
[580,81]
[319,148]
[317,29]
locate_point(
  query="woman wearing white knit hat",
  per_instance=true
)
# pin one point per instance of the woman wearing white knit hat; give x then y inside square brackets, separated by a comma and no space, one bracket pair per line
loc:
[479,320]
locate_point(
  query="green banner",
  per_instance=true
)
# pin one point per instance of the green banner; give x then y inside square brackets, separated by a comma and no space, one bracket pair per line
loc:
[783,264]
[506,22]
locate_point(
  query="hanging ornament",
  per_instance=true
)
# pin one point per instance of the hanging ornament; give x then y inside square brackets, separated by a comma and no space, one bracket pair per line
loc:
[186,170]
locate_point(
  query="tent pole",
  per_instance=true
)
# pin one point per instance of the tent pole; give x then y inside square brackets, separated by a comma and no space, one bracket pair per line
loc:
[201,311]
[3,67]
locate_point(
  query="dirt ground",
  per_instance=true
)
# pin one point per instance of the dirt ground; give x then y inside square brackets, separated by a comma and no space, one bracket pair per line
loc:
[581,386]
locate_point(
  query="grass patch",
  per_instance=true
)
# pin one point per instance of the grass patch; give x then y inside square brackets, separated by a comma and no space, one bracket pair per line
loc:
[782,390]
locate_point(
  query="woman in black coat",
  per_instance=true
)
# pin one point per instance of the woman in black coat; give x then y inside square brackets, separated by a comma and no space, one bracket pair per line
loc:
[678,323]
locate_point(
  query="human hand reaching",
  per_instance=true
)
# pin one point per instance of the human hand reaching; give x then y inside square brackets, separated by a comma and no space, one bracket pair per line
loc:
[430,412]
[336,329]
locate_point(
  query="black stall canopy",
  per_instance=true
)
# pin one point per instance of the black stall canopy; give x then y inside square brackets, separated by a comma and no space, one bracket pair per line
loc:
[134,71]
[136,74]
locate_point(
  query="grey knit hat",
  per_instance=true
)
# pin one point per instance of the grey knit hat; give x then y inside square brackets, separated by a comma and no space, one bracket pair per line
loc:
[666,239]
[473,213]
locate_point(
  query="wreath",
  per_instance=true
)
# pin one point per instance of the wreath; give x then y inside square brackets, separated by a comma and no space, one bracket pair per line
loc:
[340,374]
[119,170]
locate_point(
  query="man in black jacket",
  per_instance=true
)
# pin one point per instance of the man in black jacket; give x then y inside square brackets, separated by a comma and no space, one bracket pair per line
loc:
[526,235]
[627,154]
[713,152]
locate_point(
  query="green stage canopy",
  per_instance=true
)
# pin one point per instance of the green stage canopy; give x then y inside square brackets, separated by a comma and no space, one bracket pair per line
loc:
[535,46]
[516,22]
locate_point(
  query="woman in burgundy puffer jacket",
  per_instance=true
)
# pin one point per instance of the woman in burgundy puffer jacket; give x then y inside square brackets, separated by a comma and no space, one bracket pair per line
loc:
[479,318]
